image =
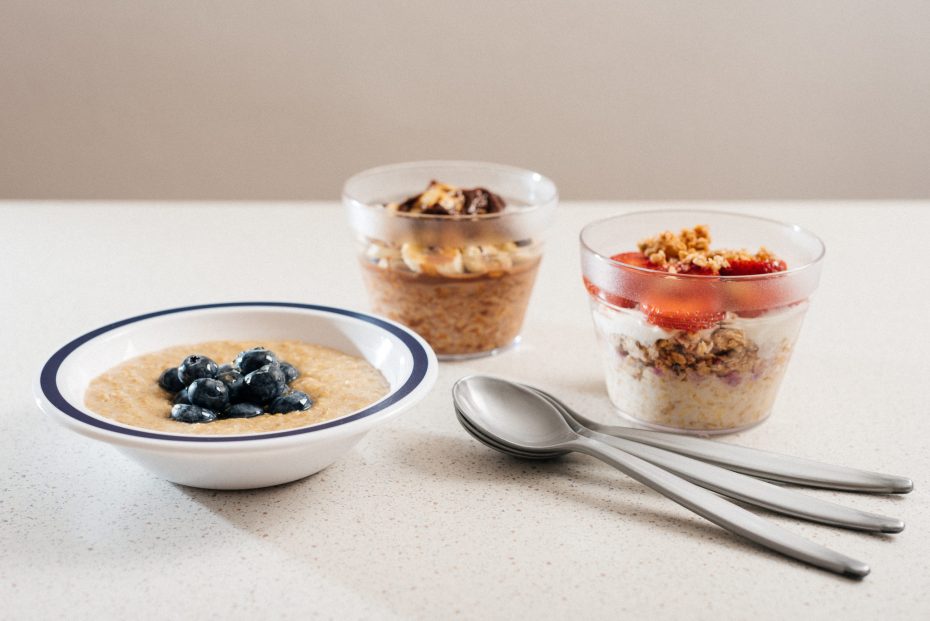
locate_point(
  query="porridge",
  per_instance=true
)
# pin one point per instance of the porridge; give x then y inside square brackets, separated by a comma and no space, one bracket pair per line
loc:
[139,393]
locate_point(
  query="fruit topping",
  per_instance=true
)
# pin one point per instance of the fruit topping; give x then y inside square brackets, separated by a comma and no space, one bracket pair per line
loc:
[195,367]
[633,259]
[170,381]
[442,199]
[610,298]
[294,401]
[681,318]
[252,359]
[667,308]
[211,394]
[752,267]
[243,410]
[182,398]
[681,307]
[192,414]
[636,259]
[264,384]
[233,380]
[290,371]
[255,383]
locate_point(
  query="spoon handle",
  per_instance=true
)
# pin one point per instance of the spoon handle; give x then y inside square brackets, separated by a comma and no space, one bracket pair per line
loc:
[753,491]
[763,464]
[719,511]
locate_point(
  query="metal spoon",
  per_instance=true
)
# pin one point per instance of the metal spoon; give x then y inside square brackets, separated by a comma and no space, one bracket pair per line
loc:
[754,462]
[517,418]
[731,484]
[739,486]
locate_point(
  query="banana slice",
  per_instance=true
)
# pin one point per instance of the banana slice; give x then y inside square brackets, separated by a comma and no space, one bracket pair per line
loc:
[377,250]
[523,254]
[484,259]
[432,261]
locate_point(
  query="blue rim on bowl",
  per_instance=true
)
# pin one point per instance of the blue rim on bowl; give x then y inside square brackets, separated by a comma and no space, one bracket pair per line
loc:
[49,387]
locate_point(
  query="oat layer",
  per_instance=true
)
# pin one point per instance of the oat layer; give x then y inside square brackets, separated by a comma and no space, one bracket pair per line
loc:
[455,315]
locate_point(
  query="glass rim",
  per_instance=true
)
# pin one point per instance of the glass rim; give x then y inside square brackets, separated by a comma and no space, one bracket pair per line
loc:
[821,252]
[550,199]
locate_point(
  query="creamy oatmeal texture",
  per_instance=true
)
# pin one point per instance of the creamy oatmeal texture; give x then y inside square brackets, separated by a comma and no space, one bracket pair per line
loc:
[338,383]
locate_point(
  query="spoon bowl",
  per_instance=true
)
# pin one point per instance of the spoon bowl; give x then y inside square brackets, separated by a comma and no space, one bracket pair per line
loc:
[498,446]
[512,414]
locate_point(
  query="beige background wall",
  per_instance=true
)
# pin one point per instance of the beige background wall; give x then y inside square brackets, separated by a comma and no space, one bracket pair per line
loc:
[243,99]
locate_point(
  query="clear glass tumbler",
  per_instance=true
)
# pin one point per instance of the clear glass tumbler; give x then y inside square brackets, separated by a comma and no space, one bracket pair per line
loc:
[473,303]
[697,353]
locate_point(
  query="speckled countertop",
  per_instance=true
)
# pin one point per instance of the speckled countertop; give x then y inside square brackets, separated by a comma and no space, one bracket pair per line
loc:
[419,521]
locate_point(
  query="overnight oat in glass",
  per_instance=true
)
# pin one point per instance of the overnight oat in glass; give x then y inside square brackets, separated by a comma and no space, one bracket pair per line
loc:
[451,249]
[696,324]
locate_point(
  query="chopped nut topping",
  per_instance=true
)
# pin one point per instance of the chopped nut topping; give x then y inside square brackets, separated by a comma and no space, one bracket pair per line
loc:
[443,199]
[691,249]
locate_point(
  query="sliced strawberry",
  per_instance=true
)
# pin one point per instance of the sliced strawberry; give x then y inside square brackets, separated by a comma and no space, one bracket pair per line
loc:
[636,259]
[754,298]
[610,298]
[752,267]
[689,321]
[673,310]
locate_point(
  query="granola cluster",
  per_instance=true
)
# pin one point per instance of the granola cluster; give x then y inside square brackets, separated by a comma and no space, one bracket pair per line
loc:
[442,199]
[691,248]
[724,353]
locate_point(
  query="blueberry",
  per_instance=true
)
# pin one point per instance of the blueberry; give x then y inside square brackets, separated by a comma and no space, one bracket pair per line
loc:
[243,410]
[263,385]
[223,368]
[233,380]
[196,367]
[253,359]
[294,401]
[182,397]
[290,371]
[211,394]
[192,414]
[170,381]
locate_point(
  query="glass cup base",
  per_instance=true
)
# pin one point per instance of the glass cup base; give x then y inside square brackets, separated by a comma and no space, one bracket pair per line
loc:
[685,431]
[479,354]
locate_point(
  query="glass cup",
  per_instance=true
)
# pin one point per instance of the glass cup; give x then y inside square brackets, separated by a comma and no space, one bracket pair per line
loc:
[694,353]
[462,282]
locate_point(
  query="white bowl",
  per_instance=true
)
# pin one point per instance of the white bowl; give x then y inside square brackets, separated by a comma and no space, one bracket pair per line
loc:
[249,460]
